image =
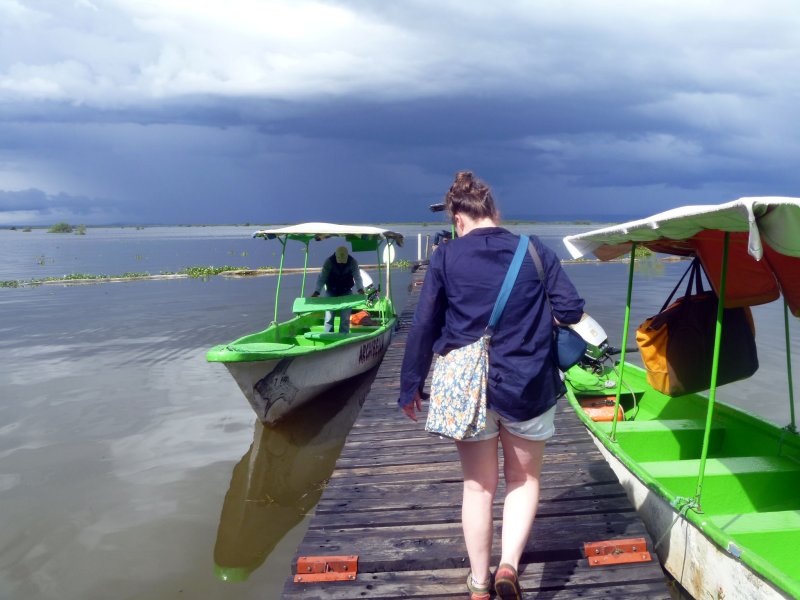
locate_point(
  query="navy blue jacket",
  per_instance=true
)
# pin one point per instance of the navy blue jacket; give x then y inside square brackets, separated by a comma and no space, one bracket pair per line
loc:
[463,279]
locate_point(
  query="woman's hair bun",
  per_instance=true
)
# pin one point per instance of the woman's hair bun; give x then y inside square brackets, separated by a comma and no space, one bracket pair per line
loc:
[471,196]
[464,183]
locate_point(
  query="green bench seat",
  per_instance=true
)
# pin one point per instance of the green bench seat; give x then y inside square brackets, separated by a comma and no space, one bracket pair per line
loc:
[320,303]
[733,484]
[325,335]
[667,439]
[731,465]
[734,524]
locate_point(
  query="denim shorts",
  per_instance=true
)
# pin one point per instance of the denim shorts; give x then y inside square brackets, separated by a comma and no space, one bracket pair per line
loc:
[537,429]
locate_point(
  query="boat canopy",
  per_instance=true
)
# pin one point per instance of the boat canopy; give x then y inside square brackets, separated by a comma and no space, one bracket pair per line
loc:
[764,246]
[360,236]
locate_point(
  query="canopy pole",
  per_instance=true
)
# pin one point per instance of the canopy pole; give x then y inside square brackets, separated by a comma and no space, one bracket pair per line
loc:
[378,261]
[278,286]
[305,270]
[625,325]
[792,426]
[389,271]
[712,393]
[378,256]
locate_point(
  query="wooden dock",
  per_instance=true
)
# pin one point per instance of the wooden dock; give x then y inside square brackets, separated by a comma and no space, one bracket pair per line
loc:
[394,500]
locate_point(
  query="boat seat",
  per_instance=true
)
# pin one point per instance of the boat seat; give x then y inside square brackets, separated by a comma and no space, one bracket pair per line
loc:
[659,425]
[259,347]
[731,465]
[325,335]
[758,522]
[320,303]
[666,439]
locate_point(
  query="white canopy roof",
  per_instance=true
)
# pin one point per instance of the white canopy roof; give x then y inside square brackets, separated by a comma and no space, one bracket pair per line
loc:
[764,248]
[771,220]
[321,231]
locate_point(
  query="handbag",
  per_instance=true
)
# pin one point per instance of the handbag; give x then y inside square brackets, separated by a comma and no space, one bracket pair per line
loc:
[569,345]
[457,407]
[677,344]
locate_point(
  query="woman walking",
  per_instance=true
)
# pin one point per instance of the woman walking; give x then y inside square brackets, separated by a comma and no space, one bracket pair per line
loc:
[460,289]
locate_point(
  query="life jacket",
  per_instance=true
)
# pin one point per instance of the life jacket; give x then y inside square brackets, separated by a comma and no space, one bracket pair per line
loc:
[340,278]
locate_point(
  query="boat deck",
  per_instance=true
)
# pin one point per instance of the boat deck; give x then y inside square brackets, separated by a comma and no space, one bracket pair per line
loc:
[394,501]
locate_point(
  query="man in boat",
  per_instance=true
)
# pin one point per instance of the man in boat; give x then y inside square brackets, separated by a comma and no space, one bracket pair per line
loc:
[340,272]
[440,237]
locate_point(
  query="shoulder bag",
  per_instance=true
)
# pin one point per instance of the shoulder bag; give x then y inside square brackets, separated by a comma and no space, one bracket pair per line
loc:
[677,344]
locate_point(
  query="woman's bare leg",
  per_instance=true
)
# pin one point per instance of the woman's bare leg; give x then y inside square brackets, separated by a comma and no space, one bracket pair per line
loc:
[480,467]
[522,466]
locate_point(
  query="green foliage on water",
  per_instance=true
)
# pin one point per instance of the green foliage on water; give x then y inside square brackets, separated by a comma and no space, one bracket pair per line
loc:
[198,272]
[647,263]
[9,284]
[26,230]
[80,230]
[61,227]
[642,252]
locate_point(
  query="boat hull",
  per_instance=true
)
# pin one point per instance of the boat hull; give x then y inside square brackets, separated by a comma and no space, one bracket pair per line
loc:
[694,561]
[276,387]
[738,542]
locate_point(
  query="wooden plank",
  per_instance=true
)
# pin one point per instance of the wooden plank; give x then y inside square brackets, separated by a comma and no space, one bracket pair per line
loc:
[445,507]
[348,517]
[451,491]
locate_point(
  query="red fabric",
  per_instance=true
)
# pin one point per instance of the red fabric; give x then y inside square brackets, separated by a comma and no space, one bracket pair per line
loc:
[783,266]
[749,282]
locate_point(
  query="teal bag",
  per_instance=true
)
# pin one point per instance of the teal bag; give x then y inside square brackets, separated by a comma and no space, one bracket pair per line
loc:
[457,406]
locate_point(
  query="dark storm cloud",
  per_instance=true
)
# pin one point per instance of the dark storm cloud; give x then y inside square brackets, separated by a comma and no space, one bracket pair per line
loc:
[279,111]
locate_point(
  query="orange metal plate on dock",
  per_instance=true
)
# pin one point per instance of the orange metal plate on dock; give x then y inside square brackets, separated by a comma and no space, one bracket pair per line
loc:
[614,552]
[312,569]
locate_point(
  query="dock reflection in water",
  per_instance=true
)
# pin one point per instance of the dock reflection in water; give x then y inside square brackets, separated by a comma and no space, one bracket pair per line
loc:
[280,479]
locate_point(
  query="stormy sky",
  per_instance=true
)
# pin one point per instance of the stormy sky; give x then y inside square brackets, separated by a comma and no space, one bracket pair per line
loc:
[268,111]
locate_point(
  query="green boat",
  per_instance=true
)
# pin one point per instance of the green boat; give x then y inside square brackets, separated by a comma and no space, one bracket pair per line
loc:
[291,362]
[718,488]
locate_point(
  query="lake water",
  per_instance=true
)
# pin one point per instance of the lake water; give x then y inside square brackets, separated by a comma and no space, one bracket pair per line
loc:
[131,468]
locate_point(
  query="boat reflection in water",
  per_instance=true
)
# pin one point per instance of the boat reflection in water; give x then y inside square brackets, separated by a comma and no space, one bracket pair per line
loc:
[281,477]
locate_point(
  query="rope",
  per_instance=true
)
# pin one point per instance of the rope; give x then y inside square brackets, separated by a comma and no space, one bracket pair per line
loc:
[685,504]
[630,389]
[784,430]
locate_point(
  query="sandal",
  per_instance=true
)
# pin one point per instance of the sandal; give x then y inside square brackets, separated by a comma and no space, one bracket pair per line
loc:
[476,592]
[506,583]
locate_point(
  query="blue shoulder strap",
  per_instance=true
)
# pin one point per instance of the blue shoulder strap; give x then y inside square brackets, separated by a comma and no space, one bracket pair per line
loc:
[508,284]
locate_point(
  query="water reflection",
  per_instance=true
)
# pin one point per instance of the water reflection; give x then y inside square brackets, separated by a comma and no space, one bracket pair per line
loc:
[280,479]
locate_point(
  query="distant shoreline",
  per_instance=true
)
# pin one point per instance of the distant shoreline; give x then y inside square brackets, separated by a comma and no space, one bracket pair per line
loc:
[242,272]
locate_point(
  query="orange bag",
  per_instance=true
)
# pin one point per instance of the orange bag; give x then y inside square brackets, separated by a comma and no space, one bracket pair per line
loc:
[361,318]
[677,344]
[601,408]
